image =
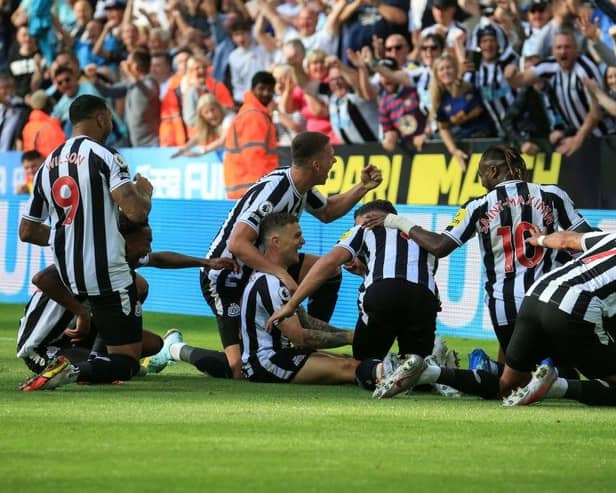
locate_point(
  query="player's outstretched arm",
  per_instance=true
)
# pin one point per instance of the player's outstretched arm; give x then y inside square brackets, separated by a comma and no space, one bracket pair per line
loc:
[437,244]
[560,240]
[323,269]
[339,205]
[174,260]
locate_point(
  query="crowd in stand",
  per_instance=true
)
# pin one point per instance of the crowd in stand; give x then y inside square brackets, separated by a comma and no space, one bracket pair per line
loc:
[396,72]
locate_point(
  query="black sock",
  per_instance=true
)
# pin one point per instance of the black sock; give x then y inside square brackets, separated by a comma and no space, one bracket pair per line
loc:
[322,303]
[591,392]
[99,348]
[365,374]
[108,369]
[474,382]
[212,363]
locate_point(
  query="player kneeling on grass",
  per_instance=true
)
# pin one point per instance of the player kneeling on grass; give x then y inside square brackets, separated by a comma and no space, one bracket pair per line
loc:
[288,353]
[58,338]
[566,314]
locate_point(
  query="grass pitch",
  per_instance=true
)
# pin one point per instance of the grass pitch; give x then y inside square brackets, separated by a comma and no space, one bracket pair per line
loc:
[182,431]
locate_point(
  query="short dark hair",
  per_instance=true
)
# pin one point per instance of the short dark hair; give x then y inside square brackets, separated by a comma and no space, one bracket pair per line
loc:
[306,146]
[31,155]
[376,205]
[262,77]
[142,59]
[63,69]
[240,24]
[85,107]
[164,55]
[275,222]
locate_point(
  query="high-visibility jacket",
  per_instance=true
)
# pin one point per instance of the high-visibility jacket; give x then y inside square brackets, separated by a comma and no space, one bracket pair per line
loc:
[172,131]
[42,133]
[250,147]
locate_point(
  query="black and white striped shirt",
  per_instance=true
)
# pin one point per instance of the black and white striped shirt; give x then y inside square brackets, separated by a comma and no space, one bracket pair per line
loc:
[390,255]
[263,294]
[275,192]
[586,286]
[569,96]
[502,220]
[353,119]
[420,79]
[496,93]
[43,323]
[73,188]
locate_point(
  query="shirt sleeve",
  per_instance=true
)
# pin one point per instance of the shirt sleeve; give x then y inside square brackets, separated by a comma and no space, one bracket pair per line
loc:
[463,226]
[590,240]
[352,240]
[119,172]
[38,207]
[315,201]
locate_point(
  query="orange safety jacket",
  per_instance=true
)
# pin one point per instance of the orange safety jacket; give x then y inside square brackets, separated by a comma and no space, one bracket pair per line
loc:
[172,131]
[250,147]
[42,133]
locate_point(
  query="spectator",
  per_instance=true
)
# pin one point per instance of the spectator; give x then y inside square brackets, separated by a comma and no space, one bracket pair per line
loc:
[526,122]
[109,44]
[13,115]
[31,161]
[250,147]
[489,77]
[564,73]
[287,125]
[84,44]
[161,71]
[604,99]
[83,15]
[25,62]
[246,59]
[212,124]
[354,119]
[488,18]
[400,116]
[43,132]
[65,81]
[197,82]
[362,20]
[538,15]
[444,12]
[311,101]
[159,40]
[141,99]
[305,27]
[457,107]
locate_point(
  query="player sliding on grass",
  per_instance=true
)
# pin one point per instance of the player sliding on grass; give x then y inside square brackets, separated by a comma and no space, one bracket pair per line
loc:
[56,329]
[567,314]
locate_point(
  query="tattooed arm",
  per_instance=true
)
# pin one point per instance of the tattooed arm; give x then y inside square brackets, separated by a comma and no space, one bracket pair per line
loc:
[303,337]
[312,323]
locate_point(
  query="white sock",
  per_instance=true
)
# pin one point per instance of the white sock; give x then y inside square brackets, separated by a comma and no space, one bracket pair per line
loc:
[174,350]
[429,375]
[558,389]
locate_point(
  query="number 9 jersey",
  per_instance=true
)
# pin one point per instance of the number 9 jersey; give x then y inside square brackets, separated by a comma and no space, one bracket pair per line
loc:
[73,189]
[502,220]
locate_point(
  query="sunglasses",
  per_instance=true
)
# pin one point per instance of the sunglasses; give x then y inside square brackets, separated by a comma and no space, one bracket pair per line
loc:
[394,47]
[429,48]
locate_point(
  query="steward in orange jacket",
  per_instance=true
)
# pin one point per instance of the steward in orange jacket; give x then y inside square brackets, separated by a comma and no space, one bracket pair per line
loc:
[250,147]
[42,133]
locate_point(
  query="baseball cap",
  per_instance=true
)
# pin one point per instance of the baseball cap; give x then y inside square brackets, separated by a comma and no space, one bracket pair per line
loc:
[389,63]
[486,31]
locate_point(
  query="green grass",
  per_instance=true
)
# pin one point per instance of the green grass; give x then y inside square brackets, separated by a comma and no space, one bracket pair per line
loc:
[182,431]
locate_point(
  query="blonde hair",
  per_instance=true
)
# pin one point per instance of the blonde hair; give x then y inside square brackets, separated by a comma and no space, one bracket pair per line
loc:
[207,132]
[316,55]
[281,69]
[437,88]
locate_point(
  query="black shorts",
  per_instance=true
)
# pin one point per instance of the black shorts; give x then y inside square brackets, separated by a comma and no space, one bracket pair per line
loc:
[224,297]
[396,309]
[542,330]
[280,367]
[118,316]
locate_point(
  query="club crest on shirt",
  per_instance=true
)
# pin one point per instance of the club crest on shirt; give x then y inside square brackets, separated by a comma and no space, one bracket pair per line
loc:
[138,309]
[284,293]
[265,208]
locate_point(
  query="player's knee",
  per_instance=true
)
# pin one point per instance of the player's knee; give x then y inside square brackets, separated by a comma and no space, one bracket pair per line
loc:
[125,367]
